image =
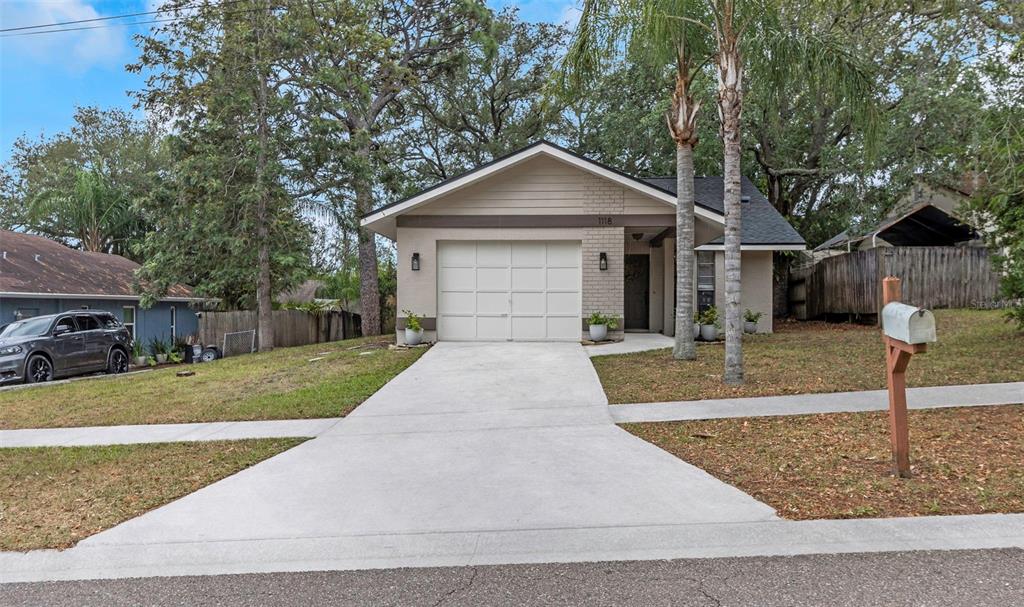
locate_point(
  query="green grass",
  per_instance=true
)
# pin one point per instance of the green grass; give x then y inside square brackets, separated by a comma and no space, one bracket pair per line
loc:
[975,346]
[321,380]
[53,497]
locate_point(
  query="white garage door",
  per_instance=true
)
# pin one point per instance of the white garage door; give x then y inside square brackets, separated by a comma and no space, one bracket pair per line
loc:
[508,290]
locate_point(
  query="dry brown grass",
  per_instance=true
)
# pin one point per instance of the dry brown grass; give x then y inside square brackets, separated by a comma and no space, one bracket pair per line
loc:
[53,497]
[975,346]
[964,461]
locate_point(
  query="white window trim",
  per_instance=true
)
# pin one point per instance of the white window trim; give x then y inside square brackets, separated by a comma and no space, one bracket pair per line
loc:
[174,322]
[134,321]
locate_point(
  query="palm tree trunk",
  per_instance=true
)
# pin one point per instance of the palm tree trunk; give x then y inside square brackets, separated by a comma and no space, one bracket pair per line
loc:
[682,124]
[730,82]
[685,348]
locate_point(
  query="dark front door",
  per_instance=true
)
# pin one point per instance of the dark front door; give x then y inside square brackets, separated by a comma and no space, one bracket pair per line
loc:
[637,295]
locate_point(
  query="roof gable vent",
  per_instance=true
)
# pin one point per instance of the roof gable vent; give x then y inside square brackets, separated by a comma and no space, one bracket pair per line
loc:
[744,198]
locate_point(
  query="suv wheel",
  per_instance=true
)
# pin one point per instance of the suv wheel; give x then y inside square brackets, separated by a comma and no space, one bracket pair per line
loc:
[38,370]
[117,362]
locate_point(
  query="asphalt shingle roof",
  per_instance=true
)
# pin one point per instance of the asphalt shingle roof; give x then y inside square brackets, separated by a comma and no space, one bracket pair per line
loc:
[34,264]
[762,224]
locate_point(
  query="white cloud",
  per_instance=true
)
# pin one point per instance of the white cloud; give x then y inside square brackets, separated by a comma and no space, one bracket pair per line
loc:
[76,50]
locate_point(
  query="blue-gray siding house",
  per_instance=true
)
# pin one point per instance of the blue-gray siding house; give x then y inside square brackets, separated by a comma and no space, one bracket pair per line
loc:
[40,276]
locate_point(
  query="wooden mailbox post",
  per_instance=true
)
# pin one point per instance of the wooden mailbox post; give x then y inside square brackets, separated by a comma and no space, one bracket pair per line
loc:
[906,331]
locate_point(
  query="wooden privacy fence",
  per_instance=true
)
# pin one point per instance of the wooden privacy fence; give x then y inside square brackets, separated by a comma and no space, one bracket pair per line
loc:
[291,327]
[933,277]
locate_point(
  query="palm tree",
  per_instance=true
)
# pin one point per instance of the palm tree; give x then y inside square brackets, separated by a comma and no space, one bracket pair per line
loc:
[789,55]
[659,32]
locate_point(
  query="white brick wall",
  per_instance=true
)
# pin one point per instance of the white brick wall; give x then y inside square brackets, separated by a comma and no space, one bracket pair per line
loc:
[603,290]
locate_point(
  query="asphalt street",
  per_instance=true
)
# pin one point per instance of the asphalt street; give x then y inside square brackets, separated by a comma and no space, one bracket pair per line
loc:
[974,578]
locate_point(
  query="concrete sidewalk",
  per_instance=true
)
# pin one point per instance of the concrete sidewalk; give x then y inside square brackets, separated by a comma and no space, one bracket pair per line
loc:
[837,402]
[164,433]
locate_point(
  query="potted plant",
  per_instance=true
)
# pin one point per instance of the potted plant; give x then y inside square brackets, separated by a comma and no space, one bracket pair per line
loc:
[138,353]
[599,325]
[159,348]
[750,319]
[696,325]
[413,329]
[709,324]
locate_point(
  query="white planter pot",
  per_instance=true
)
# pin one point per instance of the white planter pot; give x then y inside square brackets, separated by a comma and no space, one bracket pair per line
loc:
[749,327]
[140,361]
[696,330]
[598,332]
[161,359]
[413,338]
[708,332]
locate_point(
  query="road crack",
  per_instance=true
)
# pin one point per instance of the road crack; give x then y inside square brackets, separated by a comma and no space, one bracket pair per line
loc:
[461,588]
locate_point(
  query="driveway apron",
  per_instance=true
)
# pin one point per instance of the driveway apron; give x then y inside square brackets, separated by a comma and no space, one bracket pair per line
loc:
[472,437]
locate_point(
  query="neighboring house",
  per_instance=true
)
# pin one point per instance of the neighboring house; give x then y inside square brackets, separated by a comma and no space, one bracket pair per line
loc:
[40,276]
[926,216]
[527,246]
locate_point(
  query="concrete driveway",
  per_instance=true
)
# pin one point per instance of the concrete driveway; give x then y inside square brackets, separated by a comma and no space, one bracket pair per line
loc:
[473,437]
[477,453]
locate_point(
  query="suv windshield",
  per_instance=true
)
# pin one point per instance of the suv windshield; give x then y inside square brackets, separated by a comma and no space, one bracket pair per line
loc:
[27,328]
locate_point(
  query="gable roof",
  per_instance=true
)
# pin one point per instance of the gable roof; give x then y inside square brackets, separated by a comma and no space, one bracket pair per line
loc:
[540,148]
[37,266]
[761,223]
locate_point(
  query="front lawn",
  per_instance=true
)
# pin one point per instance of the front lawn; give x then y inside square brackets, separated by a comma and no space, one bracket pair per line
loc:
[53,497]
[321,380]
[964,461]
[975,346]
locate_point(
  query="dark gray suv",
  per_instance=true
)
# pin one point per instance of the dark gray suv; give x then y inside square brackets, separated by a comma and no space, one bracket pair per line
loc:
[42,348]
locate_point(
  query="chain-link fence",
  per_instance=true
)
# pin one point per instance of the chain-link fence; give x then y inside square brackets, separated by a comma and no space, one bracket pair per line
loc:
[239,342]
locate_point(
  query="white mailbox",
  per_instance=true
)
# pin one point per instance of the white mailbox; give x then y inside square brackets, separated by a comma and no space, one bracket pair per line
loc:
[908,324]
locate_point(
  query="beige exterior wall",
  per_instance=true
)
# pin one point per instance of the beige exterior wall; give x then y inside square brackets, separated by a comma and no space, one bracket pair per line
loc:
[756,283]
[545,186]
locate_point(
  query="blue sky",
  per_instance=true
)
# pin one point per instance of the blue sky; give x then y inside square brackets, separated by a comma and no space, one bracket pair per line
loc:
[43,77]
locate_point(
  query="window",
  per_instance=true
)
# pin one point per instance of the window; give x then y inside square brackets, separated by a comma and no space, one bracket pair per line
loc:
[705,280]
[108,321]
[87,322]
[174,322]
[67,324]
[128,319]
[24,313]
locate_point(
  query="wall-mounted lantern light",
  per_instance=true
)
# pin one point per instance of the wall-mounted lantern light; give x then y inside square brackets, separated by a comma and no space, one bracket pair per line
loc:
[602,261]
[415,262]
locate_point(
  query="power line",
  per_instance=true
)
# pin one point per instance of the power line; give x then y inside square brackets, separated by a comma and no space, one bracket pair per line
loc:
[109,25]
[109,18]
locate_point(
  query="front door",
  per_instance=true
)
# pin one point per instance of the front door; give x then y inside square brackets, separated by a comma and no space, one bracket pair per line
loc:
[637,292]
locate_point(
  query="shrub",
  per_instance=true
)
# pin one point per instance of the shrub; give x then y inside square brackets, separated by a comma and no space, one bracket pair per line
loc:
[598,318]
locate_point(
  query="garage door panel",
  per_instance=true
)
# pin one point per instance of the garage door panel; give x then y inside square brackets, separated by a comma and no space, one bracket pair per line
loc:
[457,279]
[528,303]
[457,303]
[528,254]
[562,303]
[457,327]
[563,327]
[518,290]
[457,255]
[493,254]
[492,303]
[563,279]
[529,327]
[529,279]
[493,279]
[492,327]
